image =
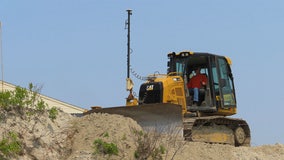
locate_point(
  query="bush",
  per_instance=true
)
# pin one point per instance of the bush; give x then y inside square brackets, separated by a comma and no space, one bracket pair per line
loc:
[21,99]
[147,145]
[53,112]
[26,104]
[10,145]
[105,148]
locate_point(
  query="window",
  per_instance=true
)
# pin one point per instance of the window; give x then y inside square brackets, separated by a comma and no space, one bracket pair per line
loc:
[226,83]
[179,67]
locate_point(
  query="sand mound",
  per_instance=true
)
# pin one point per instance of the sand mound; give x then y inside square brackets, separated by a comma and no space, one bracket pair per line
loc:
[110,128]
[39,137]
[72,138]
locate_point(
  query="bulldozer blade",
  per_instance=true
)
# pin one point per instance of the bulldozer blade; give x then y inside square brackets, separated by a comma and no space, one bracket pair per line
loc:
[161,117]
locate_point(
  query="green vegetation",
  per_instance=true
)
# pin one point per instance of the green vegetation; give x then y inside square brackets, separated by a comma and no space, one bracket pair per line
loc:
[147,146]
[26,101]
[21,97]
[106,134]
[53,112]
[10,145]
[23,103]
[105,148]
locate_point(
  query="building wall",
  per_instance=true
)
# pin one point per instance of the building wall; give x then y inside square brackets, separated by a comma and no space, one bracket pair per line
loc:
[66,107]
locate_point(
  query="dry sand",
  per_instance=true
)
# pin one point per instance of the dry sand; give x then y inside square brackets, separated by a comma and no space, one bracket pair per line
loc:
[72,138]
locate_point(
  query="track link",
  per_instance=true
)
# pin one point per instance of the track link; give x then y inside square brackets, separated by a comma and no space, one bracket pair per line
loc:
[217,129]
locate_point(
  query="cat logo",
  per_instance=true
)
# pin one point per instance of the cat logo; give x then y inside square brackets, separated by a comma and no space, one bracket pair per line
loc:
[150,87]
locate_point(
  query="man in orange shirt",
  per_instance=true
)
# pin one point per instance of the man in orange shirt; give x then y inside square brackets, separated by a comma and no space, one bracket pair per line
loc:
[195,83]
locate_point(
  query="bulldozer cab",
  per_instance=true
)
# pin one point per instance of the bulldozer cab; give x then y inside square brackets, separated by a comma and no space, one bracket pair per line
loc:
[217,96]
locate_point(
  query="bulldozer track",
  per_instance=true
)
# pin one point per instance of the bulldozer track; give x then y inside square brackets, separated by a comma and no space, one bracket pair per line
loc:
[230,123]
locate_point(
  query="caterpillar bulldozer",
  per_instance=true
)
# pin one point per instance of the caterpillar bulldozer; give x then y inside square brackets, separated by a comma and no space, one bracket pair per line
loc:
[165,101]
[166,104]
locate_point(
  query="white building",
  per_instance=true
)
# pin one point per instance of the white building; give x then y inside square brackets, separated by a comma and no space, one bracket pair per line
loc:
[66,107]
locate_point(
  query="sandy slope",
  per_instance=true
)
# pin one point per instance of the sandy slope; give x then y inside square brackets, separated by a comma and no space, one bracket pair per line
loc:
[120,130]
[72,139]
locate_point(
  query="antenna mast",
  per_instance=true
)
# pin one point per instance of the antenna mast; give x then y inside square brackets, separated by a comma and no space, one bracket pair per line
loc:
[130,100]
[128,42]
[1,54]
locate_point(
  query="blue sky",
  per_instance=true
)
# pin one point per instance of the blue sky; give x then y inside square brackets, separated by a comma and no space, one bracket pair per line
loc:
[76,50]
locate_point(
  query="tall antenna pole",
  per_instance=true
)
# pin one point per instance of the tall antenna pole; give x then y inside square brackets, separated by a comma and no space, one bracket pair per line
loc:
[128,42]
[2,66]
[130,100]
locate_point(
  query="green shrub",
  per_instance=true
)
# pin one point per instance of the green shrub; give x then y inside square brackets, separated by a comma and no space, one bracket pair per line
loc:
[106,134]
[157,152]
[105,148]
[10,145]
[53,112]
[22,98]
[147,145]
[5,99]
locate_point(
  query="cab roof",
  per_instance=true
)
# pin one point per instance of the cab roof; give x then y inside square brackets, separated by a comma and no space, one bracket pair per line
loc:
[190,53]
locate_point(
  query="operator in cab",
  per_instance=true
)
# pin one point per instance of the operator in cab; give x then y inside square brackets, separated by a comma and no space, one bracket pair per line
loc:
[195,83]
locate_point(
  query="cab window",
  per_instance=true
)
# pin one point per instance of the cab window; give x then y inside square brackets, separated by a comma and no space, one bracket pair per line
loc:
[226,83]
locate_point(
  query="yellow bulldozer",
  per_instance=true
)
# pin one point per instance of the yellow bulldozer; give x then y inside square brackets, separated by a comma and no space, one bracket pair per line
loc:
[167,105]
[165,100]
